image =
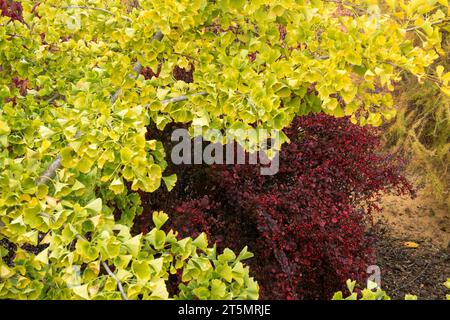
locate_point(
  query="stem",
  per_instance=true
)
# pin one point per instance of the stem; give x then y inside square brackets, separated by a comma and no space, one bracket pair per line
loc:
[119,284]
[183,98]
[50,173]
[433,23]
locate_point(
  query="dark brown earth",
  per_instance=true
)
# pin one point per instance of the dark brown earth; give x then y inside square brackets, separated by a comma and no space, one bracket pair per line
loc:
[421,220]
[420,271]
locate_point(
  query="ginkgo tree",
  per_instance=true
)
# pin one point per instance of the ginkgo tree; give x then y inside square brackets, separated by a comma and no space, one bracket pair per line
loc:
[75,108]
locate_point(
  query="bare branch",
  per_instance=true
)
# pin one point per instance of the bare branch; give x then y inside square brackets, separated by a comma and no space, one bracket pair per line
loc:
[116,95]
[137,68]
[183,98]
[157,36]
[53,98]
[50,173]
[433,24]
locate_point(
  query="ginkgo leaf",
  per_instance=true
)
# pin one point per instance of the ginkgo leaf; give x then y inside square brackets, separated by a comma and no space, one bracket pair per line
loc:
[170,181]
[95,205]
[81,291]
[117,186]
[410,244]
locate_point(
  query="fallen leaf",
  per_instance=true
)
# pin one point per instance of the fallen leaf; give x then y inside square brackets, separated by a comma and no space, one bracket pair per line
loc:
[410,244]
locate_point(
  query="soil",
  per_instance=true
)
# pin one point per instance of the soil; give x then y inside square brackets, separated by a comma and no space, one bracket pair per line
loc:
[421,270]
[421,218]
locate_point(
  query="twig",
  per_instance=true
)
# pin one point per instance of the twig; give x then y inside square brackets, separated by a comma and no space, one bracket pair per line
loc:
[433,23]
[183,98]
[414,279]
[53,98]
[119,284]
[50,173]
[108,270]
[157,36]
[137,68]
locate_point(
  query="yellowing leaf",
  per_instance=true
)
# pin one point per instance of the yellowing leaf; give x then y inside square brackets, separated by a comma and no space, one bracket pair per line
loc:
[134,245]
[141,269]
[45,132]
[4,128]
[170,181]
[157,265]
[95,205]
[439,71]
[5,272]
[410,244]
[81,291]
[201,241]
[159,218]
[42,256]
[85,165]
[117,186]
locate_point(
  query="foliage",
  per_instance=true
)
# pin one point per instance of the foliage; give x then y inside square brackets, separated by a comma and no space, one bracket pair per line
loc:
[71,266]
[12,10]
[74,106]
[447,285]
[370,294]
[421,132]
[306,224]
[365,294]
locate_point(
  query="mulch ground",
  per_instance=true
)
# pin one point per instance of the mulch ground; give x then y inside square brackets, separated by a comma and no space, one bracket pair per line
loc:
[420,271]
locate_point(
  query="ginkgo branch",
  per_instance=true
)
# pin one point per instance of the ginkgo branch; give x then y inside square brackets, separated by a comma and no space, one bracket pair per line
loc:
[50,173]
[432,24]
[119,283]
[108,270]
[183,98]
[137,68]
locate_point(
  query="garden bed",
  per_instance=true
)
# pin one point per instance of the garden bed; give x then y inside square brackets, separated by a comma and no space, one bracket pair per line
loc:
[420,271]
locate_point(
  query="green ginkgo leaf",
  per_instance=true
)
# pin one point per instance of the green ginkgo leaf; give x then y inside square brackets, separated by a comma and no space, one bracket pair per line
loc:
[159,218]
[81,291]
[117,186]
[141,269]
[95,205]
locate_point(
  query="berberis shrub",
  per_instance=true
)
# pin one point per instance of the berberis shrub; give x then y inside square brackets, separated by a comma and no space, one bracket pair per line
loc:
[306,224]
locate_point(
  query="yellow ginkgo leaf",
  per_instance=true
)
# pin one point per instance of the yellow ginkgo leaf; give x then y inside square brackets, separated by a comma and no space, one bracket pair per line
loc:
[410,244]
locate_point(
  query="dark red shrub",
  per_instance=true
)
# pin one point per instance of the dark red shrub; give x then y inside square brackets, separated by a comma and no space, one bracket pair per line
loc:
[148,73]
[11,9]
[306,224]
[22,85]
[181,74]
[178,73]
